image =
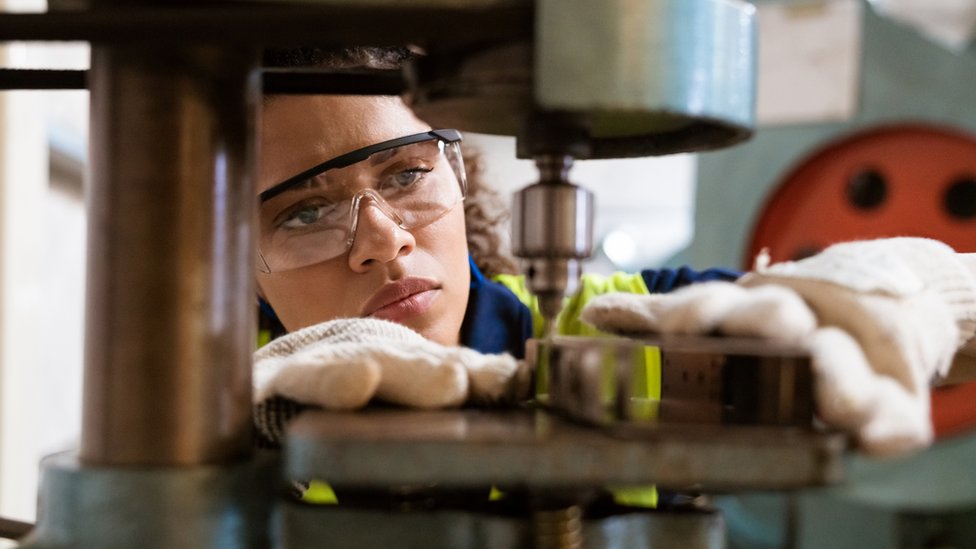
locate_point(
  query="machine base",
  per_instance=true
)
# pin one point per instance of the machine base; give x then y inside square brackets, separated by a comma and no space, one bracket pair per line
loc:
[190,507]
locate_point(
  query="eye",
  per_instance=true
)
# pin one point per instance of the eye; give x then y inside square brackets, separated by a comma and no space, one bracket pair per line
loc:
[304,216]
[406,178]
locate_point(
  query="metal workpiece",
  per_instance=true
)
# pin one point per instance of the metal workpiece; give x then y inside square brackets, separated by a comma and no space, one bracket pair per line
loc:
[654,76]
[344,527]
[628,384]
[552,231]
[200,507]
[170,291]
[539,451]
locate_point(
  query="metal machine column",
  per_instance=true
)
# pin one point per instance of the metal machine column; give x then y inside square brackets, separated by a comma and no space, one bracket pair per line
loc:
[170,285]
[166,412]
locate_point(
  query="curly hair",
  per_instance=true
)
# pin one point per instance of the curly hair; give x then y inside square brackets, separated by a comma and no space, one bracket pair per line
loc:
[486,213]
[486,216]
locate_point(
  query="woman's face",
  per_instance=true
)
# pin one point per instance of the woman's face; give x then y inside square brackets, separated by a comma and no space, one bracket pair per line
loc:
[419,278]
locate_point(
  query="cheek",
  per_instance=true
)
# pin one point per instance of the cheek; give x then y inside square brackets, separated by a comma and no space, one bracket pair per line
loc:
[455,258]
[447,241]
[307,296]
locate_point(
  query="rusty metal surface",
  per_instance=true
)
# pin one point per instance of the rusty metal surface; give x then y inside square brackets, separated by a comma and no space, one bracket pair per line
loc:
[279,24]
[535,449]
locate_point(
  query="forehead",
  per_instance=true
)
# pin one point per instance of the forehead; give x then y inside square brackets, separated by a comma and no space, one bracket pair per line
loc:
[298,132]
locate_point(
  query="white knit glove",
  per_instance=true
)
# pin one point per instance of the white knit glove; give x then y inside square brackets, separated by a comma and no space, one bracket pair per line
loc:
[342,364]
[881,318]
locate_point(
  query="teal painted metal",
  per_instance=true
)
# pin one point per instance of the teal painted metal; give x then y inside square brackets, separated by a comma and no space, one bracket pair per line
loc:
[209,507]
[650,68]
[881,504]
[939,479]
[904,78]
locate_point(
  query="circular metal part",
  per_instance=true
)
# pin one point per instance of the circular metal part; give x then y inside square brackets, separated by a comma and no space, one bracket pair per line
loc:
[154,508]
[646,78]
[552,220]
[907,179]
[552,229]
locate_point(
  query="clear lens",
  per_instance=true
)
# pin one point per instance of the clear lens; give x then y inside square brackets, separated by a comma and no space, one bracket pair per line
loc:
[316,220]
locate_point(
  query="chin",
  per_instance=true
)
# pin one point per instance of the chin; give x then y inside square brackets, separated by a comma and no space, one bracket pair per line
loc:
[434,332]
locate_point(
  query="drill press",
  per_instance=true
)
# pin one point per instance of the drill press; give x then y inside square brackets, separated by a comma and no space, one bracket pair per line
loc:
[599,80]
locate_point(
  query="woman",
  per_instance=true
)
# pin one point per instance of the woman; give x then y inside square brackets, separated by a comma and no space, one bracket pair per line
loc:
[367,213]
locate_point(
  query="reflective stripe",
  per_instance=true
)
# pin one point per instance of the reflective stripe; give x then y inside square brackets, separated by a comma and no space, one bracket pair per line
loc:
[591,285]
[516,285]
[635,496]
[264,337]
[320,493]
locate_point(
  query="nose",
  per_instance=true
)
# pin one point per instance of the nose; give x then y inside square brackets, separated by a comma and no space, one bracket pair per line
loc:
[377,239]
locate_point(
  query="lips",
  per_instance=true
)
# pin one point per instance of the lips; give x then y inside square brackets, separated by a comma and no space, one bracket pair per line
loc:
[402,299]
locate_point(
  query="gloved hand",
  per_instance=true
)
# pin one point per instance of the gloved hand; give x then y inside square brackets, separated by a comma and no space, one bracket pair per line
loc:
[881,318]
[342,364]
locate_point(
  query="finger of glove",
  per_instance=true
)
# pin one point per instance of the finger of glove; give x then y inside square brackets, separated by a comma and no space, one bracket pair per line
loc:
[494,378]
[421,376]
[694,309]
[920,329]
[910,338]
[845,385]
[886,419]
[771,312]
[314,377]
[622,313]
[699,308]
[899,425]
